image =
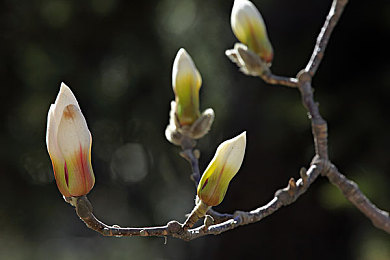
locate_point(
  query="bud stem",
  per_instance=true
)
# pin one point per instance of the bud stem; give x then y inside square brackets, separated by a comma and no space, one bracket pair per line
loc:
[197,213]
[83,207]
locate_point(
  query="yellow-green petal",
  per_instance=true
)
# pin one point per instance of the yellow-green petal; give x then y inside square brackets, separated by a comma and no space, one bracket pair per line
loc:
[186,82]
[222,168]
[249,28]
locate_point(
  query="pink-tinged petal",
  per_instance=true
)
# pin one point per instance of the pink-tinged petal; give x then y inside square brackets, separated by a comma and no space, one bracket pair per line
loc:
[80,177]
[60,175]
[69,142]
[74,141]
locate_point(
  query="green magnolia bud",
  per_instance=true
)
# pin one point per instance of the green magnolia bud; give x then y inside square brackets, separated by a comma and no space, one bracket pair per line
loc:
[186,82]
[249,28]
[222,168]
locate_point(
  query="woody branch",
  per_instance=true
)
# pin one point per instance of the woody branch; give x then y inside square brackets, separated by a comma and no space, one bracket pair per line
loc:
[320,165]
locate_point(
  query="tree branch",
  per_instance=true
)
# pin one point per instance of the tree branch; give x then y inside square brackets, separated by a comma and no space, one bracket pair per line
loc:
[322,40]
[283,197]
[351,191]
[318,124]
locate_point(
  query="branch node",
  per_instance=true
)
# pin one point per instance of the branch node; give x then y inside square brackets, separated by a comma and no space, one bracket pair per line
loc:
[106,232]
[197,213]
[289,194]
[303,174]
[326,164]
[242,217]
[292,187]
[327,167]
[304,77]
[196,153]
[208,221]
[174,227]
[144,233]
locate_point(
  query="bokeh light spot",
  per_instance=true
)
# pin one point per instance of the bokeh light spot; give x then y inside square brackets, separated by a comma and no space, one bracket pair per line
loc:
[115,80]
[57,13]
[129,163]
[177,16]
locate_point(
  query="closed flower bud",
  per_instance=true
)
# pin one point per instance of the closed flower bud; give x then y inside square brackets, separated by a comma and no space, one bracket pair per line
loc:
[69,143]
[249,28]
[186,82]
[225,164]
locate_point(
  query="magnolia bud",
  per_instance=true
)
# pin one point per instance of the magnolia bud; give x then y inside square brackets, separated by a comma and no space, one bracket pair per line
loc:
[225,164]
[249,28]
[186,82]
[69,143]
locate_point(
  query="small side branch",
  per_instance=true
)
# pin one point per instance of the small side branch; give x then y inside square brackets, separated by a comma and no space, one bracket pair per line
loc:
[191,155]
[251,64]
[279,80]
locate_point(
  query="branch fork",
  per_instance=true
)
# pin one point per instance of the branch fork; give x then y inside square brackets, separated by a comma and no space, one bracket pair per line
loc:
[215,222]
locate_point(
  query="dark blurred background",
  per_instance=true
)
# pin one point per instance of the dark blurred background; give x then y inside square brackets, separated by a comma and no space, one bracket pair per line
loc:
[117,58]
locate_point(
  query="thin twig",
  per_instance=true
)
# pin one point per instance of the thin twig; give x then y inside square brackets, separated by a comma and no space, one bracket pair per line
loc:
[279,80]
[322,40]
[189,154]
[251,64]
[219,217]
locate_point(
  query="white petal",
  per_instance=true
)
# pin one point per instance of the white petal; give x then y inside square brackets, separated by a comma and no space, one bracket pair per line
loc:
[243,13]
[51,134]
[64,98]
[183,66]
[232,151]
[73,133]
[244,9]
